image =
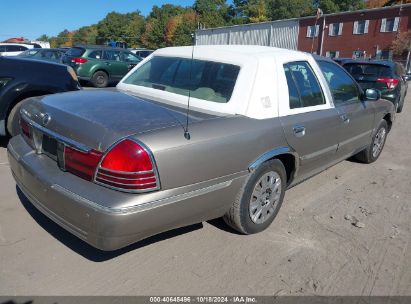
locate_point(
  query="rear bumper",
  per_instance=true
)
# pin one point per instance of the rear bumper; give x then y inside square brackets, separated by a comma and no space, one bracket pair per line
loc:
[109,219]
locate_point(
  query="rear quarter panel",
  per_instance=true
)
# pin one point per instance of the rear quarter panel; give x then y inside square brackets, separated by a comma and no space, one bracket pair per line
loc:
[218,147]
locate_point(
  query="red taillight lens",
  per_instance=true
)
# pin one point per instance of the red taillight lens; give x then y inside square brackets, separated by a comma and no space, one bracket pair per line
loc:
[79,60]
[25,128]
[128,166]
[82,164]
[390,82]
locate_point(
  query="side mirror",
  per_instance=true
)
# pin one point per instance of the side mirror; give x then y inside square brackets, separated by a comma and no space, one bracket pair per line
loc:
[372,94]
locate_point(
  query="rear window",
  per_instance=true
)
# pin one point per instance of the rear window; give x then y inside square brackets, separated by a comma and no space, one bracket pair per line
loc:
[377,70]
[75,52]
[207,80]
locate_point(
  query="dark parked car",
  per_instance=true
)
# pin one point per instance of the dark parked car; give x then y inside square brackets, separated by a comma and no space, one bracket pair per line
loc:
[143,53]
[387,76]
[100,65]
[54,55]
[23,78]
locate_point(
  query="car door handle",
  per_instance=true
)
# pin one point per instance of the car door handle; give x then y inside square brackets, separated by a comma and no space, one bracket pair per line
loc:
[299,131]
[345,119]
[108,63]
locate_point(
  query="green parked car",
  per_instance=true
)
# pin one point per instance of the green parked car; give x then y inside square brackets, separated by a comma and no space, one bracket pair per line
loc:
[100,65]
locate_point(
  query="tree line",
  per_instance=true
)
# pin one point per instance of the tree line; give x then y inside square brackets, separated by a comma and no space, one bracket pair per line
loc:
[172,25]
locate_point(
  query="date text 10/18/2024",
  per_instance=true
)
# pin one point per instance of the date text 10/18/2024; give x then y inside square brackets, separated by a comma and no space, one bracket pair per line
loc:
[200,299]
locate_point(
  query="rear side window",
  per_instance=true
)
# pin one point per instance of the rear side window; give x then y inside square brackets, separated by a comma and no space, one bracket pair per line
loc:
[206,80]
[376,70]
[342,87]
[303,84]
[75,52]
[95,55]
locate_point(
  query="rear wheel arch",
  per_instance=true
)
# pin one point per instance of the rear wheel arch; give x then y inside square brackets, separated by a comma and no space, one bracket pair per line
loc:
[288,158]
[388,119]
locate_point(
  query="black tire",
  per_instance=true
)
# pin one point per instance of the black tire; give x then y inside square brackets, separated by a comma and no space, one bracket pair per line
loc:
[99,79]
[239,216]
[13,120]
[400,105]
[367,155]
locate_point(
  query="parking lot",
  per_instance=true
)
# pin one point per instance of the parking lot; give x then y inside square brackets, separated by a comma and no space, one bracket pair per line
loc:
[312,248]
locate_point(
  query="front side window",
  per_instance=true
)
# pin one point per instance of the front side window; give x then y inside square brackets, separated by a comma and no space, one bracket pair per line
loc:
[130,57]
[342,87]
[306,84]
[207,80]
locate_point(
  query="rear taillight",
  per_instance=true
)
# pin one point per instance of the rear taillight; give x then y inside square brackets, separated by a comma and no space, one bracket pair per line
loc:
[128,166]
[79,60]
[26,131]
[25,128]
[390,82]
[82,164]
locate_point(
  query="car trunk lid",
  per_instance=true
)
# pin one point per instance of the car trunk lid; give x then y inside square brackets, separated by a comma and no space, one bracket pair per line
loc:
[99,118]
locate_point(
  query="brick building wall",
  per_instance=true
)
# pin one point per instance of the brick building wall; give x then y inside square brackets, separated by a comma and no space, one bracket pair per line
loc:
[374,43]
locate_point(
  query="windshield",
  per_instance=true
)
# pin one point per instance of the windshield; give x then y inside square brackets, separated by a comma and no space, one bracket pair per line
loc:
[377,70]
[207,80]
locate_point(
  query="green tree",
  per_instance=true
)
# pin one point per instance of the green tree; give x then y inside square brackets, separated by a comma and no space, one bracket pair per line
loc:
[246,11]
[121,27]
[85,35]
[212,13]
[184,32]
[155,34]
[285,9]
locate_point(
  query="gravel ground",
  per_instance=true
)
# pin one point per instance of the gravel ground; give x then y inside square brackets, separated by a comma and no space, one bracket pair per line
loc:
[344,232]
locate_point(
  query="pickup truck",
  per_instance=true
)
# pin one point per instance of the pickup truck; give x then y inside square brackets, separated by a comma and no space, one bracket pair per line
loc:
[191,134]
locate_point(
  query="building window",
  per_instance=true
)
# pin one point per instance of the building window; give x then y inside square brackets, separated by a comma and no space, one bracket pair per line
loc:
[389,24]
[361,27]
[312,31]
[332,54]
[335,29]
[386,55]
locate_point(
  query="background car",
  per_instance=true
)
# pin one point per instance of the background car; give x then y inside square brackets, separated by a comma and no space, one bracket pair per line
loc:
[54,55]
[21,78]
[387,76]
[100,65]
[14,49]
[143,53]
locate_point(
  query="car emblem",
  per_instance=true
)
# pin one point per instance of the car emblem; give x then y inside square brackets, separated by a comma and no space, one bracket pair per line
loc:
[45,119]
[361,77]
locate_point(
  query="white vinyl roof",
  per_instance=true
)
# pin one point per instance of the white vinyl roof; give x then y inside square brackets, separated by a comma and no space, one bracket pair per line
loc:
[259,86]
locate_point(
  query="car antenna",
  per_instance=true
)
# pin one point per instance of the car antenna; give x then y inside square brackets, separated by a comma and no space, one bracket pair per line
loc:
[186,133]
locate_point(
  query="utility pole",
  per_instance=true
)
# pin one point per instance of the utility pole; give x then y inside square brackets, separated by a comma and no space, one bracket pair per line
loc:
[322,37]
